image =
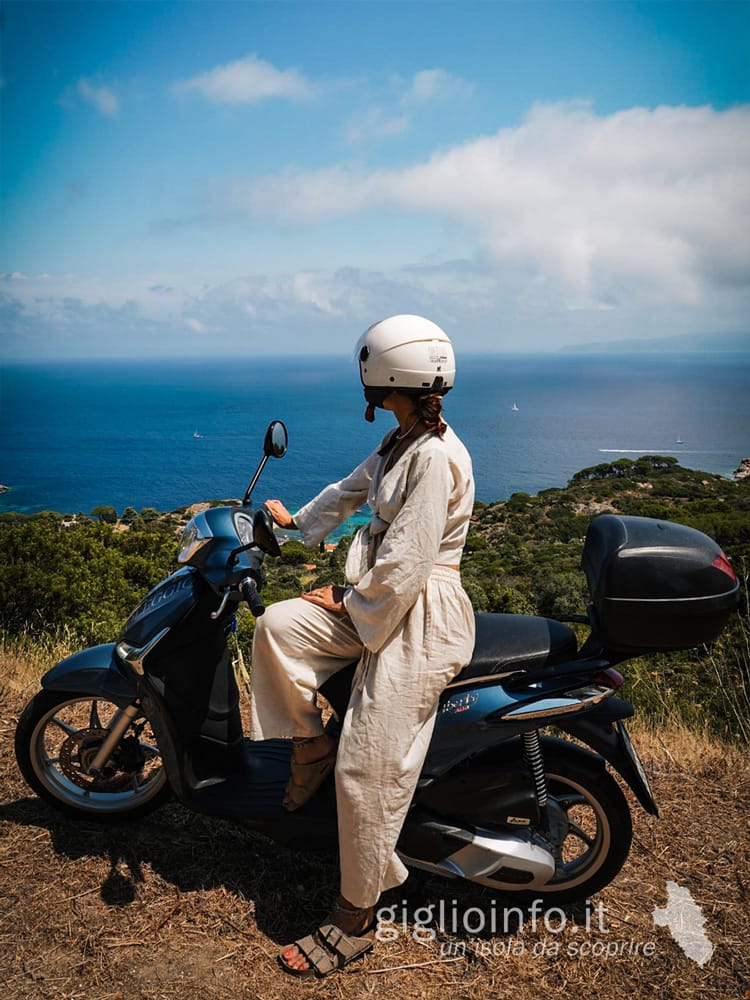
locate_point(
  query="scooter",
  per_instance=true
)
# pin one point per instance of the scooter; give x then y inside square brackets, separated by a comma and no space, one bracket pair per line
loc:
[119,728]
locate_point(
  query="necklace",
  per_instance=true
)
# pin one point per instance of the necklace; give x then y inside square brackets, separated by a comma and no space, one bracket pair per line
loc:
[400,437]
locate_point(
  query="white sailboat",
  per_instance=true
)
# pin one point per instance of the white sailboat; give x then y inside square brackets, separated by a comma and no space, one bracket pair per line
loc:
[514,408]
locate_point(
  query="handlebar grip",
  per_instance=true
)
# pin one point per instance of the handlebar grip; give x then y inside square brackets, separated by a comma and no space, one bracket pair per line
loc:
[249,591]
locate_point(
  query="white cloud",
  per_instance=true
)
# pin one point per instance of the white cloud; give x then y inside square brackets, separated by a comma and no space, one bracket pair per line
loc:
[646,203]
[247,81]
[99,96]
[375,123]
[436,84]
[396,114]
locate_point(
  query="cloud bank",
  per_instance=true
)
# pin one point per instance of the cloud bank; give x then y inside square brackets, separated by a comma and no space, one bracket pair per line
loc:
[575,227]
[645,203]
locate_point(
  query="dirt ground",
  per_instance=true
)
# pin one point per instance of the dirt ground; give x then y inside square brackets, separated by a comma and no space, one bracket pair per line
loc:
[179,907]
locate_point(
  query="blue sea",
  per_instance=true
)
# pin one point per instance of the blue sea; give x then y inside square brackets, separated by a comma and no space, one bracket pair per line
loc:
[169,433]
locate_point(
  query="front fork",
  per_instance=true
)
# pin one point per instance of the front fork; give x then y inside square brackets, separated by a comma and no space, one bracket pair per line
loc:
[122,720]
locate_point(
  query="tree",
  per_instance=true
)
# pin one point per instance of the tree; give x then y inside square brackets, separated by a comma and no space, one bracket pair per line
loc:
[108,515]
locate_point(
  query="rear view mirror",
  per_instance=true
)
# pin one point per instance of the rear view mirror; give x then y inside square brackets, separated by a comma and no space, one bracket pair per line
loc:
[274,446]
[276,441]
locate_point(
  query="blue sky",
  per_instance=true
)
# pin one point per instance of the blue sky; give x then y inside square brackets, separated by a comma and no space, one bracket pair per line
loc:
[237,177]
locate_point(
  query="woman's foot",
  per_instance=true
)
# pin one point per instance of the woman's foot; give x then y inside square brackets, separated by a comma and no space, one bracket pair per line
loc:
[313,758]
[356,923]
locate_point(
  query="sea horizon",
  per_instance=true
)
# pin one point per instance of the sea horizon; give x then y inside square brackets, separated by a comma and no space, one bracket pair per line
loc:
[75,434]
[588,350]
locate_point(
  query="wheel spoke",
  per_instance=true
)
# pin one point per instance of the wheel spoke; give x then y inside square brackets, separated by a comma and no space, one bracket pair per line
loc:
[65,726]
[570,800]
[578,831]
[94,720]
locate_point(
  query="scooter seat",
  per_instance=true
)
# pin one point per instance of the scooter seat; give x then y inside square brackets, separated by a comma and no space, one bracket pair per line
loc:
[505,643]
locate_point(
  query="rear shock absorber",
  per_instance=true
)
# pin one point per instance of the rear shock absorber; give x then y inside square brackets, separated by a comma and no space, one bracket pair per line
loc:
[532,755]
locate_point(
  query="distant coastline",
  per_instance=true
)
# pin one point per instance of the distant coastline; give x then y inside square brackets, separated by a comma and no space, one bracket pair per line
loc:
[685,344]
[691,343]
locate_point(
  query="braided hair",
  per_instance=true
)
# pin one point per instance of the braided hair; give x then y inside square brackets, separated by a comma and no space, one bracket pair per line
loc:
[430,409]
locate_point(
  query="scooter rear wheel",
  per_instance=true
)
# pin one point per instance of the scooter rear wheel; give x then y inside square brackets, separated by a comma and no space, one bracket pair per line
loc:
[57,737]
[597,830]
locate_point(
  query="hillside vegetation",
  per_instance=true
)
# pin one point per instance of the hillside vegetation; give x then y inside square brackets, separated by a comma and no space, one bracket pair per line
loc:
[75,579]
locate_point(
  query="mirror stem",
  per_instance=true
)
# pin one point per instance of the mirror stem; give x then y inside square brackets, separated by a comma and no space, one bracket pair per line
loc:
[255,479]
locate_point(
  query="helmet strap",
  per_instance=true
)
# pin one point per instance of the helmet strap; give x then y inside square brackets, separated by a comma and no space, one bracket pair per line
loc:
[375,398]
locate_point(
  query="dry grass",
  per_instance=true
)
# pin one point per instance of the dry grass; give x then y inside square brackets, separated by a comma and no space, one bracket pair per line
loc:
[182,907]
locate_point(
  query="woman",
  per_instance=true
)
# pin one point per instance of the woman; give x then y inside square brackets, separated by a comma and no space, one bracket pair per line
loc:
[403,615]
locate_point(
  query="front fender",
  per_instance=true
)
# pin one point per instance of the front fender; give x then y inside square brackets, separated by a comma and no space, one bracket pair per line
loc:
[94,671]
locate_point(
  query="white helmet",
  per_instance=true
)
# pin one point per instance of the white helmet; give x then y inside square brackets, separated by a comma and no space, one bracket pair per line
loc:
[407,353]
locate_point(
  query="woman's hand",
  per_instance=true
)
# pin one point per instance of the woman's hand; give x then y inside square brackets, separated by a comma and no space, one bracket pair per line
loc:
[280,514]
[331,598]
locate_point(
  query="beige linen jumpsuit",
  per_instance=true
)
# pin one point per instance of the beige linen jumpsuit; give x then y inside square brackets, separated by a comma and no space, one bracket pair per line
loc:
[409,624]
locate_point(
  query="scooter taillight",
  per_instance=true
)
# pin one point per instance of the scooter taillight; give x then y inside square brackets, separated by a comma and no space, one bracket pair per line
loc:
[722,562]
[611,677]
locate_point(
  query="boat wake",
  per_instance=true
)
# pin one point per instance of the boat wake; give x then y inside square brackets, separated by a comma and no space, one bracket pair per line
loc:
[659,451]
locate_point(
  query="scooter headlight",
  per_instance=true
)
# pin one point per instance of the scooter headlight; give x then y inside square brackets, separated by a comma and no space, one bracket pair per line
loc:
[243,524]
[192,541]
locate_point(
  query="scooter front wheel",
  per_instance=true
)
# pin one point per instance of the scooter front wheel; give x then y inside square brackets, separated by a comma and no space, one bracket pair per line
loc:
[57,738]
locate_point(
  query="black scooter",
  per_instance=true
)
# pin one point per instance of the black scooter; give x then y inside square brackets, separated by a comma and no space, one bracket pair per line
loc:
[118,728]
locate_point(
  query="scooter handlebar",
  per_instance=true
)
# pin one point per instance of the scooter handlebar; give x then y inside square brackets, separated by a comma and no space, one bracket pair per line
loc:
[249,591]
